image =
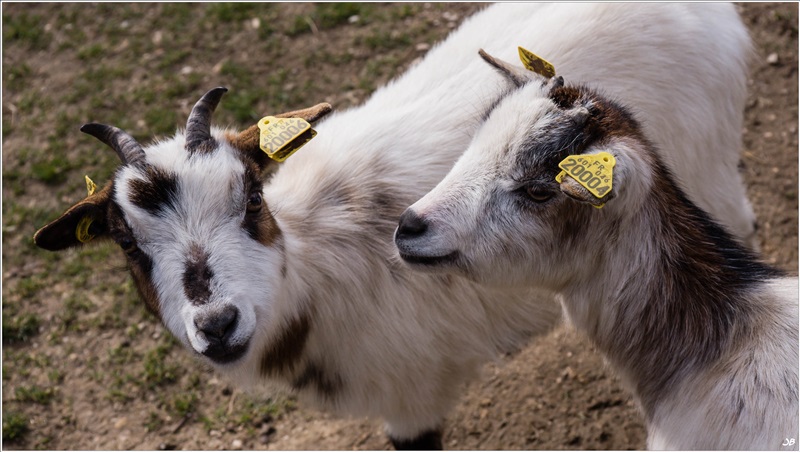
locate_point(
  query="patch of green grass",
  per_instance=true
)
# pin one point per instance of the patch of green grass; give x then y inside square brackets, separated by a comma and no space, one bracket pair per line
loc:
[71,312]
[405,11]
[176,15]
[236,74]
[158,369]
[330,15]
[16,76]
[172,57]
[25,28]
[153,422]
[15,426]
[300,25]
[20,328]
[382,40]
[91,51]
[35,394]
[241,104]
[161,121]
[29,286]
[233,12]
[183,404]
[256,411]
[56,376]
[122,355]
[51,168]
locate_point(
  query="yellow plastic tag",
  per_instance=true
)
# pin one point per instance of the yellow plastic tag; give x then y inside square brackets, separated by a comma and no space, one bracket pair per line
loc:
[82,231]
[90,186]
[282,137]
[593,171]
[536,63]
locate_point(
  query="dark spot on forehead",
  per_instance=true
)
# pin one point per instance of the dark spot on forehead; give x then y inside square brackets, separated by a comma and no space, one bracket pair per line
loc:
[157,192]
[562,136]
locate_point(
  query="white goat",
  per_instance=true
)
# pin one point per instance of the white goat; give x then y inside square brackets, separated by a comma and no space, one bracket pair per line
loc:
[296,280]
[703,333]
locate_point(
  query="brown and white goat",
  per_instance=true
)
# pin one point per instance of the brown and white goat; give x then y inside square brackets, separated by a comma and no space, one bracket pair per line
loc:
[702,332]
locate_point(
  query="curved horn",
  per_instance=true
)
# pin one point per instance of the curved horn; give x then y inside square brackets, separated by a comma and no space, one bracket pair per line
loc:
[126,147]
[198,127]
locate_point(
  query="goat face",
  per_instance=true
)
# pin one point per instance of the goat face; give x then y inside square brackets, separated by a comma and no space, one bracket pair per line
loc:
[202,246]
[500,216]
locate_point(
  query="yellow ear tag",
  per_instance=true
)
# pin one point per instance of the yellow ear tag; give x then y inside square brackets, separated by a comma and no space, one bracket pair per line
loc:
[90,185]
[593,171]
[535,63]
[282,137]
[82,231]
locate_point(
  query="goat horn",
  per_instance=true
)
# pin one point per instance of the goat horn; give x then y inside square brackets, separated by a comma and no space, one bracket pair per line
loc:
[198,127]
[126,147]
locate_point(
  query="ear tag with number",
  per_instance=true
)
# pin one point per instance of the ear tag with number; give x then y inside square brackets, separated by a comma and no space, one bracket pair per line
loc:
[90,186]
[282,137]
[535,63]
[593,171]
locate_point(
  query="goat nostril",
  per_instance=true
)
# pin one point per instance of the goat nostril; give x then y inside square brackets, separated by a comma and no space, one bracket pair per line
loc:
[411,225]
[218,328]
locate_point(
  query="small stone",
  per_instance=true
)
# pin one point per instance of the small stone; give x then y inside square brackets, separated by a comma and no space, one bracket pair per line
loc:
[772,59]
[186,70]
[214,433]
[486,402]
[423,46]
[450,16]
[255,22]
[158,36]
[236,444]
[353,19]
[121,422]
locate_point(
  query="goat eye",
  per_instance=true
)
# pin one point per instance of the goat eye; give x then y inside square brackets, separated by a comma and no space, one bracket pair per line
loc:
[254,202]
[538,194]
[128,245]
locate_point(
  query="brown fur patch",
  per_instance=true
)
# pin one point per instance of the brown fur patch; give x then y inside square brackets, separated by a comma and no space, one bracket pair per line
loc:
[139,263]
[158,191]
[283,354]
[325,383]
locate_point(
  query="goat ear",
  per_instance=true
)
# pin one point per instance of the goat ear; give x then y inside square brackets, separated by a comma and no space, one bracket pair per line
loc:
[81,223]
[517,75]
[247,141]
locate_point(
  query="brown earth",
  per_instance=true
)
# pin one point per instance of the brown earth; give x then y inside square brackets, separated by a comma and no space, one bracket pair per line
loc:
[554,394]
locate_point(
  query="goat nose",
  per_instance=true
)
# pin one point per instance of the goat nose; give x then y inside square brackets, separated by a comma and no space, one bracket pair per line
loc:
[410,225]
[218,327]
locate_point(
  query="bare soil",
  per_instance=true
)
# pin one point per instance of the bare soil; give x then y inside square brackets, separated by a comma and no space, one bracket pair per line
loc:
[103,365]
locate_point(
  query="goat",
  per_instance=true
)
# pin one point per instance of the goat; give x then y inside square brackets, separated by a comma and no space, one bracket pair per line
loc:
[703,333]
[296,280]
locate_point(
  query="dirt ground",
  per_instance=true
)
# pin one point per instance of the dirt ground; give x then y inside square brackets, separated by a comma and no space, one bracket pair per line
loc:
[85,368]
